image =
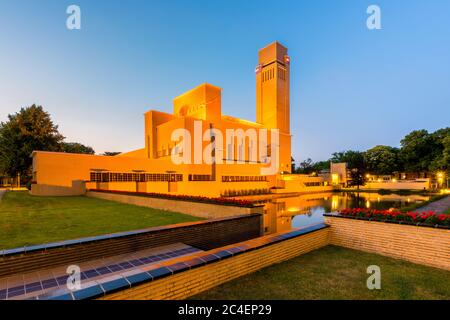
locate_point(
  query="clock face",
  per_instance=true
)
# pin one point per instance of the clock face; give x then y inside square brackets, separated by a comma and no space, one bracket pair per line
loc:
[287,59]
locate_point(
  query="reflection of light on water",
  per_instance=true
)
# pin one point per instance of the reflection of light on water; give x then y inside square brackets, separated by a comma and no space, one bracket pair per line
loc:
[334,203]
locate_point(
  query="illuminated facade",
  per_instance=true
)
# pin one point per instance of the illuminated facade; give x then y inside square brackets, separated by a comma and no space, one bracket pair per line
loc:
[239,159]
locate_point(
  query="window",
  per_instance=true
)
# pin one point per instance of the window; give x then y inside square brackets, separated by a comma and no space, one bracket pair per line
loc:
[241,152]
[200,177]
[244,178]
[313,184]
[268,75]
[281,73]
[230,151]
[134,177]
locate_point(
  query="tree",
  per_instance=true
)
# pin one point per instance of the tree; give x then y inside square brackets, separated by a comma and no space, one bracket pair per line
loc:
[306,166]
[357,177]
[293,169]
[446,153]
[25,131]
[382,160]
[321,165]
[110,153]
[75,147]
[418,150]
[354,159]
[440,161]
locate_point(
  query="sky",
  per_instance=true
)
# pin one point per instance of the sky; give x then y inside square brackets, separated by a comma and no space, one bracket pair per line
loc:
[351,87]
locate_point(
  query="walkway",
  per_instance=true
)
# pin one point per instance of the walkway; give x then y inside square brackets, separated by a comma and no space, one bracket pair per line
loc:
[24,286]
[437,206]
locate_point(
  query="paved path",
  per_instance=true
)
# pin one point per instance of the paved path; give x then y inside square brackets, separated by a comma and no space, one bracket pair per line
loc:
[438,206]
[2,193]
[21,286]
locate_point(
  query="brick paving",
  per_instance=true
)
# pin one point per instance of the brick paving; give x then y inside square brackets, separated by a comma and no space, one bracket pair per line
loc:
[438,206]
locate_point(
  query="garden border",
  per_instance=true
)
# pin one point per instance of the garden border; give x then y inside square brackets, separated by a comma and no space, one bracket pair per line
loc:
[408,223]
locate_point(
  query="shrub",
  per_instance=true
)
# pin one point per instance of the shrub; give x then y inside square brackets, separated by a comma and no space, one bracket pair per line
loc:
[29,183]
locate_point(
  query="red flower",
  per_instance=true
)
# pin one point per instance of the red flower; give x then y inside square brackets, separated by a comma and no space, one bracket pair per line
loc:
[429,217]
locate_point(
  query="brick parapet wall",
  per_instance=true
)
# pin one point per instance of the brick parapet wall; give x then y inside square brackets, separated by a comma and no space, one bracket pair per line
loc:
[205,235]
[188,283]
[418,244]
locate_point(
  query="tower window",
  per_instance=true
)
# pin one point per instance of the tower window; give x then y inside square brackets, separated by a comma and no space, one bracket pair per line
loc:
[268,75]
[281,73]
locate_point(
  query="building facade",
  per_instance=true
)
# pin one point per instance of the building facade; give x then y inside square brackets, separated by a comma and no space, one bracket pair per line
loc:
[194,150]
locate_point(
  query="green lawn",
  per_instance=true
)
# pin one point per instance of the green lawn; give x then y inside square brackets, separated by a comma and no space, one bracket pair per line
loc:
[26,219]
[336,273]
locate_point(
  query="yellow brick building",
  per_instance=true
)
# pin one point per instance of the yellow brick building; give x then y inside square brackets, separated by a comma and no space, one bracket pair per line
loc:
[238,161]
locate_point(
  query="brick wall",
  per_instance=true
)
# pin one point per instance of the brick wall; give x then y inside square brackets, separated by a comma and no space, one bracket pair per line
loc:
[418,244]
[188,283]
[197,209]
[205,235]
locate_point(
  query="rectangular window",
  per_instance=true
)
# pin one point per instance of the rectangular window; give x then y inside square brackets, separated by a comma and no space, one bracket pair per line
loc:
[133,177]
[244,178]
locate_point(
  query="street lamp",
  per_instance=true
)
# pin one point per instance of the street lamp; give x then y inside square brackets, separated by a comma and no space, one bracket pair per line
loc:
[440,176]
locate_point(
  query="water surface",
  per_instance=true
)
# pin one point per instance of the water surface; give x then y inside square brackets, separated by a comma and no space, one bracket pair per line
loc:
[282,214]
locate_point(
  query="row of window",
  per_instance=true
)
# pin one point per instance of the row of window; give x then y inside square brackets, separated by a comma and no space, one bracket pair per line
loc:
[313,184]
[200,177]
[281,73]
[244,178]
[268,75]
[134,177]
[158,177]
[231,151]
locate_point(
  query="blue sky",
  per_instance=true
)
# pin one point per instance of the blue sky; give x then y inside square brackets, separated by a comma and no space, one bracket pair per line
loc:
[351,88]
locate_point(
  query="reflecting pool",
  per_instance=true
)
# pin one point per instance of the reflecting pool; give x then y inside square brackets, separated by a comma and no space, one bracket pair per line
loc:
[282,214]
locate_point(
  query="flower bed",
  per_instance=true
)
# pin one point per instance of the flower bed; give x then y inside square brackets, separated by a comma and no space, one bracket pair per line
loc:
[425,218]
[218,201]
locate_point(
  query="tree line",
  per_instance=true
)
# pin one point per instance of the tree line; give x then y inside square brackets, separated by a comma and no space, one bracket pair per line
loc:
[420,151]
[28,130]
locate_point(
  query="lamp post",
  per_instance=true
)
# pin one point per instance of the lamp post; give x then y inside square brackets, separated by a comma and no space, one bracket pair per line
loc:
[441,176]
